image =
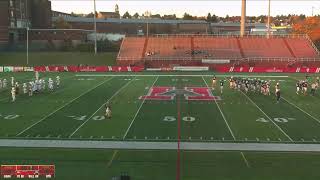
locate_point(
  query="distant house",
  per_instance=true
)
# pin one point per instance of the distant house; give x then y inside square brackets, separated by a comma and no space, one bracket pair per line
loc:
[106,15]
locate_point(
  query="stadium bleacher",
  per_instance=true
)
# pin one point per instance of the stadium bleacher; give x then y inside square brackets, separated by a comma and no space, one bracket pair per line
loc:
[161,50]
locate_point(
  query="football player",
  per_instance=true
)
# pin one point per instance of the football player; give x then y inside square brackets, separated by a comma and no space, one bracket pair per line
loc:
[214,82]
[221,86]
[58,81]
[305,87]
[17,86]
[37,75]
[298,87]
[313,89]
[30,88]
[4,83]
[13,94]
[50,84]
[25,88]
[12,81]
[108,113]
[278,94]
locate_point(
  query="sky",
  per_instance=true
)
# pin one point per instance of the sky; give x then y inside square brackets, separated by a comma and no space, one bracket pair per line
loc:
[199,8]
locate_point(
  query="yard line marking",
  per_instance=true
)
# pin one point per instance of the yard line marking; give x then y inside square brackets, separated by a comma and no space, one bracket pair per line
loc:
[224,118]
[267,116]
[175,75]
[134,117]
[112,158]
[116,93]
[4,99]
[230,130]
[301,110]
[62,107]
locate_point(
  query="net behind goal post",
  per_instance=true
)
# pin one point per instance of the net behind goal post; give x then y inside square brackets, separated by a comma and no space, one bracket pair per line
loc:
[59,46]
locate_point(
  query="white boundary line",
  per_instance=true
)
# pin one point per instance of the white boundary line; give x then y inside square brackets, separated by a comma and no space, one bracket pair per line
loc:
[301,110]
[134,118]
[115,94]
[230,130]
[176,75]
[135,145]
[268,117]
[62,107]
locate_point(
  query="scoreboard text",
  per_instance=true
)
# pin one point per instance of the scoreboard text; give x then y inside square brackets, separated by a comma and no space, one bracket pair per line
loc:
[27,171]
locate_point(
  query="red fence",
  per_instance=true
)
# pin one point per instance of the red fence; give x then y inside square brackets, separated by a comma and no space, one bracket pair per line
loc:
[88,69]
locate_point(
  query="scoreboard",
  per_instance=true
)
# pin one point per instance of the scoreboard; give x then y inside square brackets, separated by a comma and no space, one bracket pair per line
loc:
[27,171]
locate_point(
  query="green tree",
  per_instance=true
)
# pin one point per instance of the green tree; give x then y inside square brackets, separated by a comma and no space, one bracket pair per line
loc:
[126,15]
[187,16]
[209,17]
[136,15]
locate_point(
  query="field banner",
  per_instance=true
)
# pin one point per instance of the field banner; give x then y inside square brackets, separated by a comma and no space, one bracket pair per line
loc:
[1,69]
[7,69]
[28,69]
[17,69]
[216,61]
[190,68]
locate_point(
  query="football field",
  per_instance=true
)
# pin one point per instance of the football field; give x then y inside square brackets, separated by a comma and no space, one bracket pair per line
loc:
[159,107]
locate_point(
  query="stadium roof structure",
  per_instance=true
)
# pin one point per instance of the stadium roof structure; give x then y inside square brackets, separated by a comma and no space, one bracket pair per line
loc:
[232,24]
[134,21]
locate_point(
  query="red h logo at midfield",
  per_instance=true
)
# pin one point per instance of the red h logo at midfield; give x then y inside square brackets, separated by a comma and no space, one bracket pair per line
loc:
[190,93]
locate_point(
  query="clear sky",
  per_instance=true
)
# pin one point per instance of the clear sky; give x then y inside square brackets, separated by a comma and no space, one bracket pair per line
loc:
[199,8]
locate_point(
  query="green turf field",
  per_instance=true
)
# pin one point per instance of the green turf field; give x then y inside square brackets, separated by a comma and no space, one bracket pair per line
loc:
[57,58]
[76,111]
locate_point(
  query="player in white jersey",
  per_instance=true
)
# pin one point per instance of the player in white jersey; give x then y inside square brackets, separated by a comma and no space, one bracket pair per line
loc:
[12,81]
[43,84]
[50,84]
[38,84]
[37,75]
[30,89]
[58,81]
[25,88]
[13,94]
[4,83]
[108,113]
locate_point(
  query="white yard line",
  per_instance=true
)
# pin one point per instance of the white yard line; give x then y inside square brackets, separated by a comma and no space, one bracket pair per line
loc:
[44,118]
[115,94]
[175,75]
[4,99]
[134,118]
[267,117]
[138,145]
[230,130]
[316,119]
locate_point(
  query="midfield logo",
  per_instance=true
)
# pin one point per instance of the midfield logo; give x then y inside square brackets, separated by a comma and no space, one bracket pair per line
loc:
[190,93]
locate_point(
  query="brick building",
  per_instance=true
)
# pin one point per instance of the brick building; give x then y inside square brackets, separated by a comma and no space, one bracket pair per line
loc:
[17,15]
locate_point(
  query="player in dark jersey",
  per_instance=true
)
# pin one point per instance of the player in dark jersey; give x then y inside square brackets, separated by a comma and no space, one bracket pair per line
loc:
[221,86]
[278,94]
[298,87]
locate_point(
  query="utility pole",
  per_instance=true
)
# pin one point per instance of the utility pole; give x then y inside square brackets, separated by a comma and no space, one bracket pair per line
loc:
[269,19]
[95,27]
[243,18]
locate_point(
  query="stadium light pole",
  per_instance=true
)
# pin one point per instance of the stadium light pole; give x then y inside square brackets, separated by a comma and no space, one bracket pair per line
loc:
[243,18]
[269,19]
[95,27]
